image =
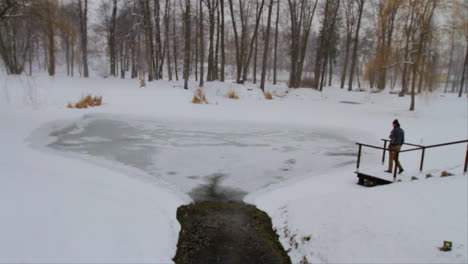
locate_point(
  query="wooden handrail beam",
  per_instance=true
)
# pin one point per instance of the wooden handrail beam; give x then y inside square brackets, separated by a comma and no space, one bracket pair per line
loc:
[409,144]
[417,147]
[445,144]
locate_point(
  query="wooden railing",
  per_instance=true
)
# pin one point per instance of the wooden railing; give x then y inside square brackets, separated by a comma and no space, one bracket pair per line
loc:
[416,147]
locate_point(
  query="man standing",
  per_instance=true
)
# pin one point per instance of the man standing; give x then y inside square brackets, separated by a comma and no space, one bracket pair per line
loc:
[397,138]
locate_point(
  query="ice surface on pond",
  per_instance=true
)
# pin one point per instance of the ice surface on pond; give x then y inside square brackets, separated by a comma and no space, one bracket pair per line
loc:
[190,154]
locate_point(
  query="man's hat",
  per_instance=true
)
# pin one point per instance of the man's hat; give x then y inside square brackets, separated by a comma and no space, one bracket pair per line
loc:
[396,122]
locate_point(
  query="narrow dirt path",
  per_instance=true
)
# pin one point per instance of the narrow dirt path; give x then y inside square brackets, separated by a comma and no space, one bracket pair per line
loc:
[227,232]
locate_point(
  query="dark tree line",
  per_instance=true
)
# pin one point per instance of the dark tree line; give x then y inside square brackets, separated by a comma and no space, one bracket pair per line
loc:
[214,40]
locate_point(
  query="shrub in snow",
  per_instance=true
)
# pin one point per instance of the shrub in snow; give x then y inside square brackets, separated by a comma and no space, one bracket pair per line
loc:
[232,95]
[413,178]
[428,175]
[86,101]
[268,96]
[199,97]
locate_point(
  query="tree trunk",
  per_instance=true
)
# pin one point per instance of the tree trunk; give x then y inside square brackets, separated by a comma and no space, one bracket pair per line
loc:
[72,59]
[202,53]
[112,53]
[83,10]
[345,64]
[250,48]
[223,54]
[356,43]
[211,5]
[134,70]
[405,73]
[255,61]
[330,71]
[166,40]
[30,53]
[122,60]
[51,46]
[236,42]
[323,72]
[197,36]
[187,29]
[266,47]
[465,65]
[157,56]
[174,41]
[449,71]
[305,40]
[148,38]
[276,41]
[215,63]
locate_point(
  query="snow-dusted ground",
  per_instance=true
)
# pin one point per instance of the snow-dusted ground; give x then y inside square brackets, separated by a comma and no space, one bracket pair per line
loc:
[103,184]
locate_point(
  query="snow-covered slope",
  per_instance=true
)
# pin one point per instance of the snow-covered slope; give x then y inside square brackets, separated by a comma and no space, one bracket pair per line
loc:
[62,207]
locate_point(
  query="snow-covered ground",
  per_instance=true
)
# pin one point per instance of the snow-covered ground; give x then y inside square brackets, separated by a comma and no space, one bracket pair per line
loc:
[103,184]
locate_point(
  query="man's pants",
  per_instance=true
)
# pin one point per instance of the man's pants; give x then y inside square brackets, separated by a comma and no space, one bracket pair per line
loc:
[393,155]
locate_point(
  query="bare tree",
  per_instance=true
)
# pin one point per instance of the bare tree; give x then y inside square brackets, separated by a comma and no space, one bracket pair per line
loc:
[424,12]
[68,34]
[266,47]
[276,42]
[8,8]
[409,35]
[16,35]
[202,49]
[465,66]
[350,22]
[112,43]
[174,42]
[244,44]
[223,53]
[187,29]
[83,12]
[46,14]
[212,6]
[166,40]
[158,56]
[360,4]
[148,30]
[301,15]
[327,43]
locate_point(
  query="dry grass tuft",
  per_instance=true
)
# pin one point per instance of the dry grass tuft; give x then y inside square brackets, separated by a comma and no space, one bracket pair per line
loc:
[268,96]
[232,95]
[428,176]
[445,174]
[86,101]
[199,97]
[413,178]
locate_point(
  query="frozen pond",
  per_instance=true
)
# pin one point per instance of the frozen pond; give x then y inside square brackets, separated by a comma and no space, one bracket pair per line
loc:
[237,157]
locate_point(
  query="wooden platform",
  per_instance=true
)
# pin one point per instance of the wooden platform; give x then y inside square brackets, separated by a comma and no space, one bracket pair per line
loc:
[368,180]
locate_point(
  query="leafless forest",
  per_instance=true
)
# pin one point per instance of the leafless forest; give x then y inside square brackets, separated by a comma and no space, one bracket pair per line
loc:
[409,45]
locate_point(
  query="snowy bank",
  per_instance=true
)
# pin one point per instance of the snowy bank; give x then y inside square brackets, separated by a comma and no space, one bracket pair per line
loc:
[66,207]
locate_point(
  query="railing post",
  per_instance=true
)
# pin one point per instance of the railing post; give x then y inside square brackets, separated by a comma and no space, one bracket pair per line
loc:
[383,154]
[358,157]
[395,165]
[422,159]
[466,160]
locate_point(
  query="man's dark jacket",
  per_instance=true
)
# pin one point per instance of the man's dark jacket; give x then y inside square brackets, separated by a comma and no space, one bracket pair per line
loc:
[397,137]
